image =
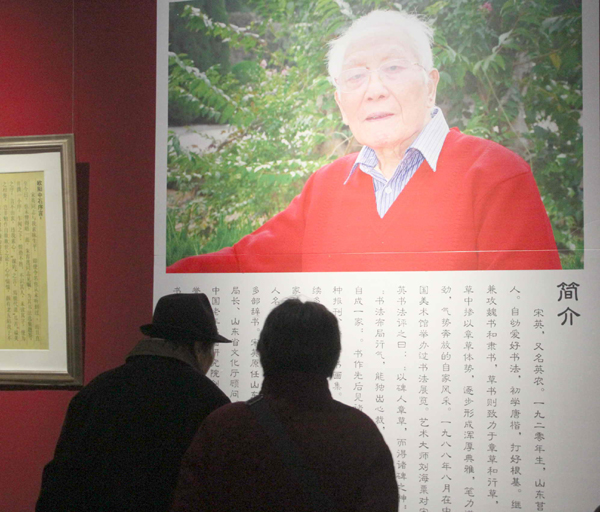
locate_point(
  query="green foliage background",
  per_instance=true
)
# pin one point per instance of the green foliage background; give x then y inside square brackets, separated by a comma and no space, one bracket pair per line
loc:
[511,71]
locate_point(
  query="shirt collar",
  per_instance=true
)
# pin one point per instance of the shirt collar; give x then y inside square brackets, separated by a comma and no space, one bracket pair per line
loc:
[163,348]
[298,387]
[429,143]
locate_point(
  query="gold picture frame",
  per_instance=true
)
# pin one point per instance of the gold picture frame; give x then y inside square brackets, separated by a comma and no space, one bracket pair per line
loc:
[40,302]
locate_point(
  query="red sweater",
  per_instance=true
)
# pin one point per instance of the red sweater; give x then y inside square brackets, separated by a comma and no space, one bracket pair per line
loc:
[480,210]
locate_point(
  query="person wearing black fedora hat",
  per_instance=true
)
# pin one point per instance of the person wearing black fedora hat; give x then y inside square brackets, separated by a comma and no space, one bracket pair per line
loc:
[125,433]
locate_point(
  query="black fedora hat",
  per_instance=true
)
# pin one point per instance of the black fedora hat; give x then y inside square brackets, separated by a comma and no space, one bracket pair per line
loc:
[184,316]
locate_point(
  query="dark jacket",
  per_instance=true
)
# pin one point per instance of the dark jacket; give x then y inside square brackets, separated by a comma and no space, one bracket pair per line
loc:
[125,433]
[232,466]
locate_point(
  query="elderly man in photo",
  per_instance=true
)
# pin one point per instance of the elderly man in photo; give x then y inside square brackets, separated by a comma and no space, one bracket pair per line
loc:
[293,448]
[125,433]
[418,196]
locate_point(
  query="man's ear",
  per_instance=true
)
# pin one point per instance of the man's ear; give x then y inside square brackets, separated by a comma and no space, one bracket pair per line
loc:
[204,355]
[433,79]
[336,95]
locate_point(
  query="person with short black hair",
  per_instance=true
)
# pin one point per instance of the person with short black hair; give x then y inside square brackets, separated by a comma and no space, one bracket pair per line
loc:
[302,337]
[293,447]
[125,432]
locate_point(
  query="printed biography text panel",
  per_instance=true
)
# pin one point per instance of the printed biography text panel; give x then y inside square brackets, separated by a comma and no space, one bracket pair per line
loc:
[463,377]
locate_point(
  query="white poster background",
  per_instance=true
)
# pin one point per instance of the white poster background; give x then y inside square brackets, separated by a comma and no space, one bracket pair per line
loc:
[556,472]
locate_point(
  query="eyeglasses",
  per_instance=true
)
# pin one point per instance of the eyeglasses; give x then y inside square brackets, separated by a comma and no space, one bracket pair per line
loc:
[392,72]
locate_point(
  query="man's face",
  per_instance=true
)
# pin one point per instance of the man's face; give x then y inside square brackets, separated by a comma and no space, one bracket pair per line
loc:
[385,114]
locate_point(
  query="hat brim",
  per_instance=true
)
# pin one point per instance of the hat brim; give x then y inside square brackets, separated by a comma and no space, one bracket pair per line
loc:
[172,332]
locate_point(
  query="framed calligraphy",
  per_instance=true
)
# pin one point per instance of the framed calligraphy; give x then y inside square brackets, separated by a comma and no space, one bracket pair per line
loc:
[40,322]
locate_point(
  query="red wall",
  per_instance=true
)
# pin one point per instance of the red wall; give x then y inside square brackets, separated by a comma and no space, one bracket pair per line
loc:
[84,67]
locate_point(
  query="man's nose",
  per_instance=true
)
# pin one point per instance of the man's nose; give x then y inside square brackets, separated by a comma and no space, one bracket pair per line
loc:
[376,89]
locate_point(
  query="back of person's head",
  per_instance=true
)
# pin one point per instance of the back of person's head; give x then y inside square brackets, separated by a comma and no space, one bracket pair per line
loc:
[299,337]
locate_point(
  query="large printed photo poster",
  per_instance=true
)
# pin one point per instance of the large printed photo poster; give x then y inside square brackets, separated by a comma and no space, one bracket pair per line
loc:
[465,284]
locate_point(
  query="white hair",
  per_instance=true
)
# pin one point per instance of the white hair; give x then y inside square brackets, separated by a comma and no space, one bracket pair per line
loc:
[415,33]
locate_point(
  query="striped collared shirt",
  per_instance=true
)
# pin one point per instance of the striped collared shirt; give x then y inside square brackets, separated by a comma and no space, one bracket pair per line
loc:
[427,146]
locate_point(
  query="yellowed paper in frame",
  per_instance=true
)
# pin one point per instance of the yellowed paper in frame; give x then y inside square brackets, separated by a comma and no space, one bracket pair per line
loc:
[24,290]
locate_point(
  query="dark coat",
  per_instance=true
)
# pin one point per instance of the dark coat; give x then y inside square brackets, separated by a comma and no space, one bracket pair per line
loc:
[232,466]
[125,433]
